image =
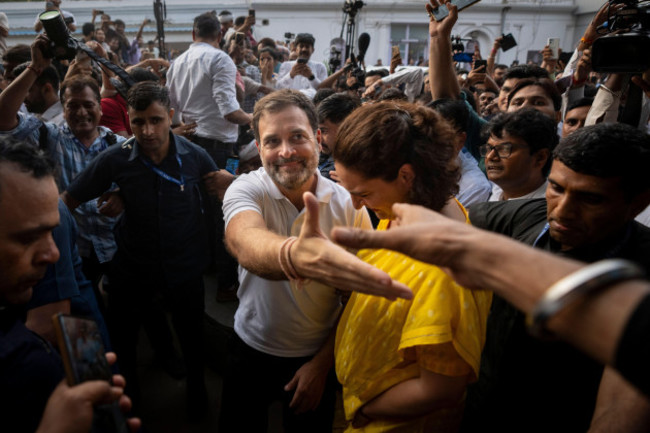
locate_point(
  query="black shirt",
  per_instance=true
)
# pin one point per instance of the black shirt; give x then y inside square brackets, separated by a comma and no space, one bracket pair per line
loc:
[30,369]
[527,384]
[163,228]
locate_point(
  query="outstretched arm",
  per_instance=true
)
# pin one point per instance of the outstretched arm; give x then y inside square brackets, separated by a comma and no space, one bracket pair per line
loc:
[313,255]
[14,95]
[482,260]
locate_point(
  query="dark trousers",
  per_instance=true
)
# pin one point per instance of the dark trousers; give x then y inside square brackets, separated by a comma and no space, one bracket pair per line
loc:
[136,301]
[225,264]
[254,380]
[218,150]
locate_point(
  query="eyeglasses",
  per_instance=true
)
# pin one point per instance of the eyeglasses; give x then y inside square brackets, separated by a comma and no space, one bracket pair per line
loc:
[503,149]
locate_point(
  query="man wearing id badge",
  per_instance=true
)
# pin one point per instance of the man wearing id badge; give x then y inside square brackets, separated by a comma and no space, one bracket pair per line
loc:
[162,242]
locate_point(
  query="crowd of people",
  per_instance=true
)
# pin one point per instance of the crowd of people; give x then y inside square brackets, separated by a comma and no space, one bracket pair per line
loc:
[347,211]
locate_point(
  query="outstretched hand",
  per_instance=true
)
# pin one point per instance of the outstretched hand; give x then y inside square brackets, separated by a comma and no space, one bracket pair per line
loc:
[420,233]
[316,257]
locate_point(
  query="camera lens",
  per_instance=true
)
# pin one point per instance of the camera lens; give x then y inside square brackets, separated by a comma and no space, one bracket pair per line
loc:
[55,27]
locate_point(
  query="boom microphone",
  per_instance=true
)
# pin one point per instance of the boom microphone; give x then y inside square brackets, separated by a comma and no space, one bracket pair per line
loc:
[364,43]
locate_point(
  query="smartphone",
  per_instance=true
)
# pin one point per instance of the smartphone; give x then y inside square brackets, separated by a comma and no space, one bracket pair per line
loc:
[441,11]
[463,57]
[479,63]
[251,12]
[84,358]
[508,41]
[300,60]
[395,54]
[239,37]
[554,45]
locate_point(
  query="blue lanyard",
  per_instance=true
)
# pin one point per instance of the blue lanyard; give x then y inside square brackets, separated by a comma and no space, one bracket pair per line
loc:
[541,234]
[164,175]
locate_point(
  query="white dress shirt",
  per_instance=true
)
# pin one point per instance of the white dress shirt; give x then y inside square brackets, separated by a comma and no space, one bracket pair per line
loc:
[201,85]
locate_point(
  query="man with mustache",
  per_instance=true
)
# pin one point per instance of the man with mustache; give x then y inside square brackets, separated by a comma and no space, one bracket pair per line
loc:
[302,73]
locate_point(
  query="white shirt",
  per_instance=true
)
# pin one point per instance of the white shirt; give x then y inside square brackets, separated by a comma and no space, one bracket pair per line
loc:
[412,77]
[201,85]
[54,114]
[644,217]
[300,82]
[473,186]
[277,317]
[497,192]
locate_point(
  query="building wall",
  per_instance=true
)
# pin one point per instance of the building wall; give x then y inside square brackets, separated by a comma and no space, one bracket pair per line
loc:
[530,22]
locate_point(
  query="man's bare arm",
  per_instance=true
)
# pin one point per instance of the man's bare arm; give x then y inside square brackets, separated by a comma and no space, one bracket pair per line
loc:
[442,76]
[254,246]
[240,117]
[620,408]
[479,259]
[313,255]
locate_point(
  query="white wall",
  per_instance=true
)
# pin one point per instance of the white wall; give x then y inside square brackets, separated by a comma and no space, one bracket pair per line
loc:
[531,22]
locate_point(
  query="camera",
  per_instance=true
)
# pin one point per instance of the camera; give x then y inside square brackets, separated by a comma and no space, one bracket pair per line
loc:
[62,45]
[628,51]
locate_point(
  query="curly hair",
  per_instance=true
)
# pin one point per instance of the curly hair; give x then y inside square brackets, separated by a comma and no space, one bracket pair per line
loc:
[377,140]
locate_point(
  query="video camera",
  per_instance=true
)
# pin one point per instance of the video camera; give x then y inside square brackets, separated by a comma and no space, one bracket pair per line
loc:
[629,50]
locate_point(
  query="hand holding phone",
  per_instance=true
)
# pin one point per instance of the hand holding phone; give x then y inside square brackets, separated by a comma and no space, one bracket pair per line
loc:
[554,45]
[84,359]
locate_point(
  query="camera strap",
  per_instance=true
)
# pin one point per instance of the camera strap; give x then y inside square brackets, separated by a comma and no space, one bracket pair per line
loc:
[111,66]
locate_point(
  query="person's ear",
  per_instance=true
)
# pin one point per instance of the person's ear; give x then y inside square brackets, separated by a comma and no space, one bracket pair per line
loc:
[406,176]
[541,156]
[319,139]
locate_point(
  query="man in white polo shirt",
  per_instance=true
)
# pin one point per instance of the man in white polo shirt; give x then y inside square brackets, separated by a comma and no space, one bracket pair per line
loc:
[285,323]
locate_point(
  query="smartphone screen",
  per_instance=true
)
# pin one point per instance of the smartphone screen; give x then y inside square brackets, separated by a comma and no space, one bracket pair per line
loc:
[441,11]
[82,349]
[84,358]
[300,60]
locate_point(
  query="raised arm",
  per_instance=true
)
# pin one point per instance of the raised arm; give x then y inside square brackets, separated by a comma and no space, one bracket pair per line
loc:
[442,76]
[13,96]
